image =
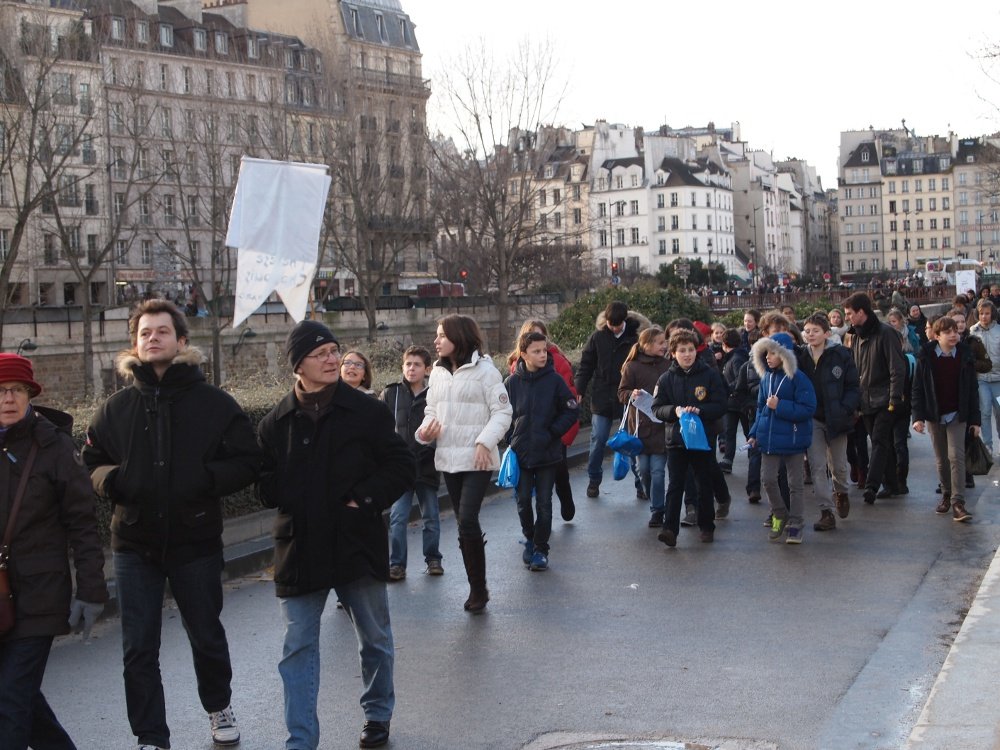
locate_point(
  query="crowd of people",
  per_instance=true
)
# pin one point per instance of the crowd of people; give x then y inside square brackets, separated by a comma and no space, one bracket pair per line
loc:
[821,403]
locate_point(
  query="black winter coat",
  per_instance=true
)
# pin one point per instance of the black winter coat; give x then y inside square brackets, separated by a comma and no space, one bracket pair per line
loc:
[601,362]
[165,452]
[56,515]
[838,390]
[732,363]
[700,386]
[313,467]
[408,411]
[544,408]
[747,388]
[878,355]
[924,401]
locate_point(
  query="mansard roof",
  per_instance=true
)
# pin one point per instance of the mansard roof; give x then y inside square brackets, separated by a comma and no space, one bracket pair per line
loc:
[631,161]
[865,155]
[367,29]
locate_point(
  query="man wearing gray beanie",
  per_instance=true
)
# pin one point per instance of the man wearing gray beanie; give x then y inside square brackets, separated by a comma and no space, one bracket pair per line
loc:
[332,464]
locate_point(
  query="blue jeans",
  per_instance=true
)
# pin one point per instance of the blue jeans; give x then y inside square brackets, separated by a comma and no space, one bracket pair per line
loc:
[367,604]
[399,518]
[541,480]
[197,588]
[652,467]
[25,716]
[988,393]
[600,431]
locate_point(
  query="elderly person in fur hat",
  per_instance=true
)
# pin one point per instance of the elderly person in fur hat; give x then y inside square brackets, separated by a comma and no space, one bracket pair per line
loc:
[55,513]
[783,430]
[164,452]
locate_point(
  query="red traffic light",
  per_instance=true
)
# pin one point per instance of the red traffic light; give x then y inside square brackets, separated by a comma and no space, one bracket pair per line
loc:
[614,268]
[750,266]
[464,274]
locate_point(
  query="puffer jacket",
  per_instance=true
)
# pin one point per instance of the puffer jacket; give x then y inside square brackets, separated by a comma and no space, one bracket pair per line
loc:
[700,386]
[788,429]
[165,452]
[990,336]
[924,402]
[473,408]
[543,408]
[57,514]
[878,355]
[565,370]
[408,410]
[601,364]
[644,372]
[314,465]
[838,390]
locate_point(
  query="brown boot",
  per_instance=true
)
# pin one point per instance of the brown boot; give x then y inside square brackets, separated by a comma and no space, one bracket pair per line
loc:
[473,548]
[826,522]
[959,513]
[945,505]
[843,503]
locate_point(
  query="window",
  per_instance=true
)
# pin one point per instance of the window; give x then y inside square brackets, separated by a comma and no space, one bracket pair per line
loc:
[602,209]
[556,196]
[635,180]
[230,85]
[633,207]
[221,43]
[404,31]
[233,126]
[708,200]
[4,243]
[619,182]
[117,28]
[619,208]
[673,200]
[356,23]
[166,123]
[694,245]
[146,252]
[918,186]
[944,184]
[945,203]
[142,162]
[251,87]
[380,23]
[576,192]
[635,235]
[121,252]
[602,238]
[933,224]
[662,247]
[190,120]
[946,223]
[187,80]
[144,209]
[119,204]
[873,209]
[577,216]
[168,209]
[892,188]
[166,35]
[675,246]
[209,81]
[200,40]
[253,49]
[142,31]
[557,219]
[620,237]
[694,222]
[675,222]
[164,77]
[195,248]
[542,198]
[661,224]
[919,202]
[660,201]
[192,209]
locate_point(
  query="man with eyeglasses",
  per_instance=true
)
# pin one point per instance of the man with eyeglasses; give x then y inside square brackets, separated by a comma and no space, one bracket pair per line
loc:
[165,451]
[332,464]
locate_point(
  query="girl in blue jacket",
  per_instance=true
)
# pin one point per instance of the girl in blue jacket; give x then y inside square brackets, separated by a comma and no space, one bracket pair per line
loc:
[544,408]
[783,430]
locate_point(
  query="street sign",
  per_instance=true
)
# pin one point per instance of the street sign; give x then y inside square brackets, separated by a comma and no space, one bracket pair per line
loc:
[826,277]
[684,270]
[616,280]
[750,266]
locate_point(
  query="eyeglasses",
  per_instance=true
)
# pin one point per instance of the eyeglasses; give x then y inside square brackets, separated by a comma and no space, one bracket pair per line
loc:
[352,364]
[15,391]
[332,353]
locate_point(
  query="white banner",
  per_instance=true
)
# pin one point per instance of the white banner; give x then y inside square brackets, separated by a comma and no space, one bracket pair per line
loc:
[275,223]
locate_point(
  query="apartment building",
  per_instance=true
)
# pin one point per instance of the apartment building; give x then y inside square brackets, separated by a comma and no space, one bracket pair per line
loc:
[976,175]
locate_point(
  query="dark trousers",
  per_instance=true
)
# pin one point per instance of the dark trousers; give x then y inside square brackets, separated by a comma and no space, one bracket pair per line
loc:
[25,716]
[536,529]
[564,491]
[679,462]
[882,463]
[857,446]
[733,420]
[466,490]
[900,432]
[197,588]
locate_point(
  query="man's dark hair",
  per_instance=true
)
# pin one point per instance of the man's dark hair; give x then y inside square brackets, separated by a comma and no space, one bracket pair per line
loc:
[682,336]
[860,301]
[943,324]
[418,351]
[615,313]
[153,307]
[731,338]
[463,332]
[527,339]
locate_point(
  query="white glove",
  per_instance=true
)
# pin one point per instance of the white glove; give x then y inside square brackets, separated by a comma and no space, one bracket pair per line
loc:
[83,615]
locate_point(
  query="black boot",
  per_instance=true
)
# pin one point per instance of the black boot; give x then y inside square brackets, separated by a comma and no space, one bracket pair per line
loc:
[473,548]
[902,473]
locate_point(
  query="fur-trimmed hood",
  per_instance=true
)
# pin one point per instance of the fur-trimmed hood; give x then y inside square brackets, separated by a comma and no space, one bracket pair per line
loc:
[638,320]
[126,360]
[765,346]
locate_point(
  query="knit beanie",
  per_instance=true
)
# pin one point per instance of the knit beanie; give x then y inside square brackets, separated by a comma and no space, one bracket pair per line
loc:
[15,368]
[305,337]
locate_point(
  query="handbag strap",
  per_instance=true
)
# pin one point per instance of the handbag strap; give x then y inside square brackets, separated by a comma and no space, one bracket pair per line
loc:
[16,505]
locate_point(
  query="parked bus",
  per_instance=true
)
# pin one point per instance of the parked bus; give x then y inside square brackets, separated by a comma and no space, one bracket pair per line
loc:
[949,269]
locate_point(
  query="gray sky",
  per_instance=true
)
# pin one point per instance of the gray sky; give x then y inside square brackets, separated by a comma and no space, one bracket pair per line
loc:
[792,73]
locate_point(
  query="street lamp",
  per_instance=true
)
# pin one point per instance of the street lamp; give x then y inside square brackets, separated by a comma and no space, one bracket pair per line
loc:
[246,333]
[26,345]
[709,243]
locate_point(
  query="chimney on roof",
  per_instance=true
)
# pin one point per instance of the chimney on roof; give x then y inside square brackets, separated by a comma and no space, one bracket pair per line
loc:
[190,8]
[234,11]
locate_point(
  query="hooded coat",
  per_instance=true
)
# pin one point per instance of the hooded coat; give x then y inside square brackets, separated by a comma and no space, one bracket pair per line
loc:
[165,451]
[601,363]
[57,514]
[543,409]
[838,390]
[786,430]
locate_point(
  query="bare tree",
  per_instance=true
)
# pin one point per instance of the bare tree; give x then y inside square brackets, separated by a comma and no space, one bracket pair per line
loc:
[485,192]
[45,60]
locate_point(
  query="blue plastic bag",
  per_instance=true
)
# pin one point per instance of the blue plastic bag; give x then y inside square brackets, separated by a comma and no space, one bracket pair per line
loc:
[510,472]
[693,432]
[622,466]
[623,441]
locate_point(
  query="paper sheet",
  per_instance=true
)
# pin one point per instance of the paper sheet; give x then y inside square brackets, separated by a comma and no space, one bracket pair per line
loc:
[644,403]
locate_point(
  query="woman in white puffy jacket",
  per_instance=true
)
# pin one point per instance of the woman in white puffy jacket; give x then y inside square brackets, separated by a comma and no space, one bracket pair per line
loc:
[467,414]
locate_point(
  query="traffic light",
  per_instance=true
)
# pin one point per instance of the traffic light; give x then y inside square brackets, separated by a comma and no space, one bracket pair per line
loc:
[614,268]
[464,274]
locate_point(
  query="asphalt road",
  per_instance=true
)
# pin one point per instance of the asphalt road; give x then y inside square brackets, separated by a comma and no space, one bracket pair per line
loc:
[737,644]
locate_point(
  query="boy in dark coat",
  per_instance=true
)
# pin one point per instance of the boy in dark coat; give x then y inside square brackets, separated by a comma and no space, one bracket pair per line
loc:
[734,356]
[544,408]
[689,386]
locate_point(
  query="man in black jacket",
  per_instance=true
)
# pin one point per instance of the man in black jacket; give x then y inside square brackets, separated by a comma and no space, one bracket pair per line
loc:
[878,354]
[601,362]
[332,463]
[164,452]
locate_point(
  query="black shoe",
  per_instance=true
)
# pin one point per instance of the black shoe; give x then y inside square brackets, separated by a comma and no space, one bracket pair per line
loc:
[640,494]
[593,489]
[870,495]
[567,508]
[938,490]
[753,498]
[374,734]
[969,482]
[668,537]
[690,518]
[656,520]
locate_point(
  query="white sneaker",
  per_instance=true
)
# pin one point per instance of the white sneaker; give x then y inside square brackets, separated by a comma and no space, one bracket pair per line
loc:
[150,747]
[224,728]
